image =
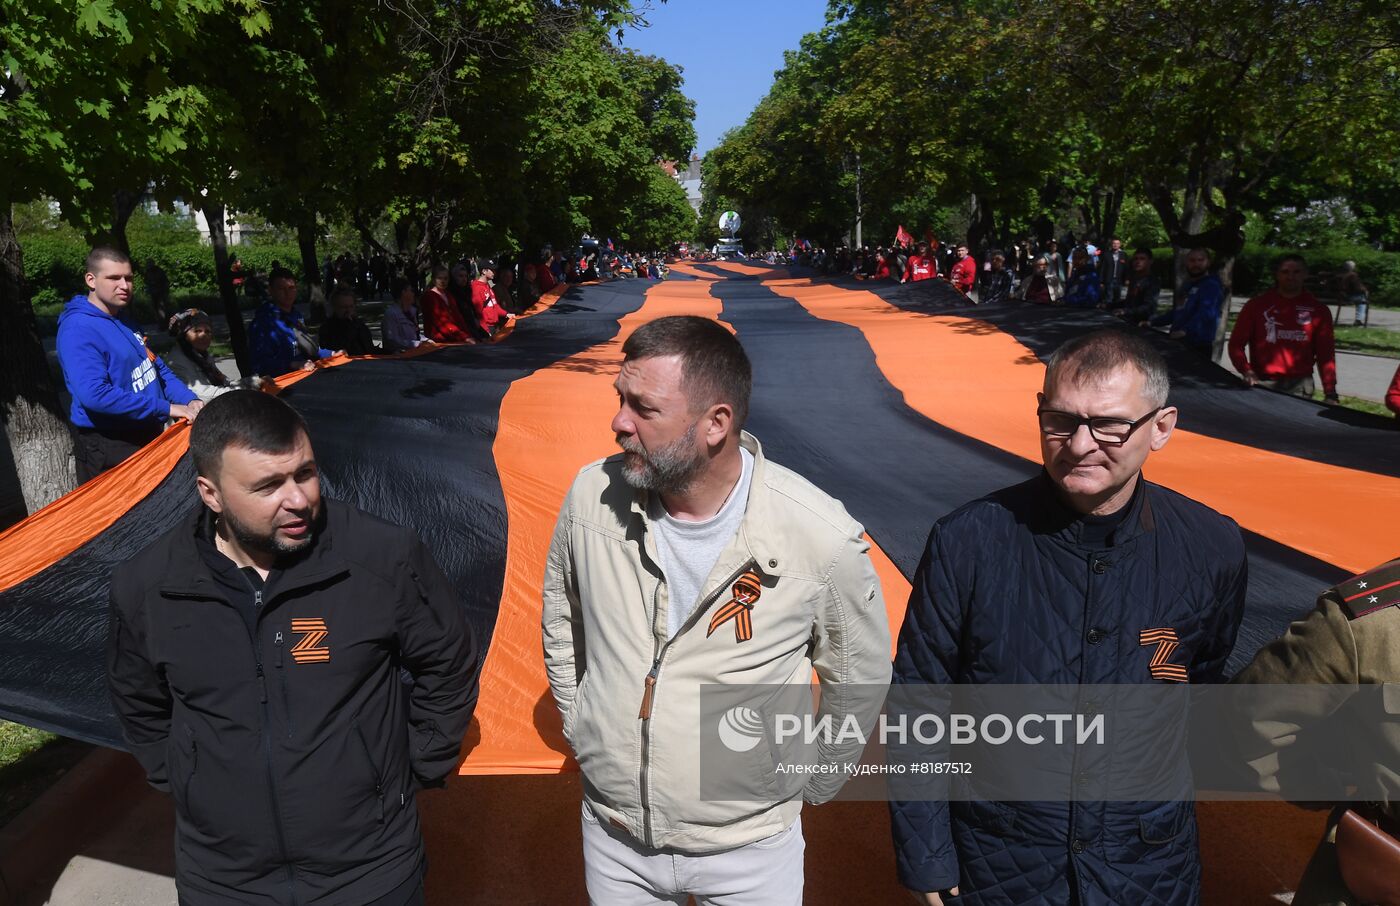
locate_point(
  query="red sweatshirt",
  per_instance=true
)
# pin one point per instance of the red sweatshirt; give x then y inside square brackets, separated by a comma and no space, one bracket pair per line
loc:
[442,322]
[964,274]
[1284,338]
[488,312]
[1392,396]
[920,268]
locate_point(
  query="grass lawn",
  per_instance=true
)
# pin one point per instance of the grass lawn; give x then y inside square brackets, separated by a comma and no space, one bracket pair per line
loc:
[17,741]
[1370,340]
[1352,402]
[30,761]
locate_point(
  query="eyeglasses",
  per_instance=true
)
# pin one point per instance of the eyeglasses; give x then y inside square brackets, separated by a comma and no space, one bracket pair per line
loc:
[1111,431]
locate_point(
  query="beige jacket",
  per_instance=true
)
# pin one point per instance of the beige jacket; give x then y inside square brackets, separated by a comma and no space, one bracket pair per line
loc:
[630,697]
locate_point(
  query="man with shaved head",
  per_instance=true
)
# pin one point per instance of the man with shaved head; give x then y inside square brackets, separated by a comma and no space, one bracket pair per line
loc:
[1085,574]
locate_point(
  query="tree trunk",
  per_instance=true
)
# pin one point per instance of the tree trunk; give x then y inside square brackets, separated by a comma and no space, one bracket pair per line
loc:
[1225,270]
[1193,217]
[980,226]
[123,206]
[402,227]
[237,333]
[311,271]
[1113,206]
[40,444]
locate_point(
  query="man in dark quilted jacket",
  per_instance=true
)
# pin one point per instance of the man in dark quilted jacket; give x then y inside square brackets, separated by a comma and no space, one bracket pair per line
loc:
[1074,577]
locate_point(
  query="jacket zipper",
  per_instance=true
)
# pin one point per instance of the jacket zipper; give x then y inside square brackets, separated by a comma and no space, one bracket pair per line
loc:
[649,692]
[374,769]
[282,681]
[267,748]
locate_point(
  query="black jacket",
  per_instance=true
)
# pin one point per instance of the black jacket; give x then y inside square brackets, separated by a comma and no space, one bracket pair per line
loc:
[293,751]
[348,335]
[1010,592]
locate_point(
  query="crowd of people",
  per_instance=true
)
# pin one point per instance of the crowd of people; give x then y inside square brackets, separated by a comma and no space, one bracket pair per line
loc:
[123,394]
[1278,340]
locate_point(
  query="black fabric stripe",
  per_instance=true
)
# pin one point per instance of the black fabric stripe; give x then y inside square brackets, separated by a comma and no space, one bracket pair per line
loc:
[406,439]
[822,407]
[1212,400]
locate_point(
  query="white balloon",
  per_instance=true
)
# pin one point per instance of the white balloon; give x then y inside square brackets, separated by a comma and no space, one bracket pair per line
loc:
[729,221]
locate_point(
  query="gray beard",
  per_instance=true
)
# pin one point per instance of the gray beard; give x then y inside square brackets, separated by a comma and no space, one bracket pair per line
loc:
[669,470]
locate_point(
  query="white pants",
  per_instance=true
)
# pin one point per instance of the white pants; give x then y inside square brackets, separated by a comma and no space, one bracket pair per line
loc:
[620,871]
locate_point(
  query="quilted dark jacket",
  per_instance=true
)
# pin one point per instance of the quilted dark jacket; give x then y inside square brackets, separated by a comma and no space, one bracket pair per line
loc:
[1009,593]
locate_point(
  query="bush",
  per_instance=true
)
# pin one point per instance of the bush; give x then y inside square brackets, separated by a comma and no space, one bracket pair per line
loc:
[53,266]
[1380,271]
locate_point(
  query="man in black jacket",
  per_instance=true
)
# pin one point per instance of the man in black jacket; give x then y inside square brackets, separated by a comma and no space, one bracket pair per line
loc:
[1086,575]
[344,330]
[255,659]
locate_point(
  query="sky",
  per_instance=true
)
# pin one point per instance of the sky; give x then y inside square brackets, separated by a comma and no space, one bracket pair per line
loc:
[729,50]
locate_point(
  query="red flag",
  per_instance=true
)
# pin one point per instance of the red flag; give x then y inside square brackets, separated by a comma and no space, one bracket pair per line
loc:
[928,237]
[903,236]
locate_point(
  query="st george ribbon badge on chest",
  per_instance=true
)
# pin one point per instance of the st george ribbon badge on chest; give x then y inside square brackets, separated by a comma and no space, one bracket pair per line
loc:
[746,594]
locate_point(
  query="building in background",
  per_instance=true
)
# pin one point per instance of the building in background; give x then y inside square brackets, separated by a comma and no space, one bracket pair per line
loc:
[689,178]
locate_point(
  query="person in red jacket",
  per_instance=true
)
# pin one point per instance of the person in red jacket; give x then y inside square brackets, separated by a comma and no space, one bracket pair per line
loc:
[442,321]
[964,272]
[882,265]
[1282,333]
[920,266]
[489,313]
[1392,396]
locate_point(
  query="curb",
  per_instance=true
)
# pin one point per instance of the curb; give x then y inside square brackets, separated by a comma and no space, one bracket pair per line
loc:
[52,829]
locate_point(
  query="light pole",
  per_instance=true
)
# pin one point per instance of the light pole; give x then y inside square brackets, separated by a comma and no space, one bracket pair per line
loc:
[860,212]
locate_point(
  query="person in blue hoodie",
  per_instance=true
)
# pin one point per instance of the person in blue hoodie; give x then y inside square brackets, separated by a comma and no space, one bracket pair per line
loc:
[1083,290]
[277,337]
[123,394]
[1195,319]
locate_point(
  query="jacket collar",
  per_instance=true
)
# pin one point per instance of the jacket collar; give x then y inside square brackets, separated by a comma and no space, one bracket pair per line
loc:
[188,575]
[1057,518]
[755,530]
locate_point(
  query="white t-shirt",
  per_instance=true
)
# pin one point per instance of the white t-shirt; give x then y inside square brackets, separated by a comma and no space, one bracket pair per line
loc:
[689,550]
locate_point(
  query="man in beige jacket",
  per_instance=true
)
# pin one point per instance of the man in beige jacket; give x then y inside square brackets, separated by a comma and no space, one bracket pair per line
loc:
[686,560]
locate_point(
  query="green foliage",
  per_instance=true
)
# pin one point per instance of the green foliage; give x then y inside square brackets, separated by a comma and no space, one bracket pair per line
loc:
[1380,271]
[1318,223]
[54,266]
[1003,112]
[1139,225]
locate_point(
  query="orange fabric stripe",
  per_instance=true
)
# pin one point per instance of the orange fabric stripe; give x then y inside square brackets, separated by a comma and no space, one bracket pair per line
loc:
[565,408]
[971,377]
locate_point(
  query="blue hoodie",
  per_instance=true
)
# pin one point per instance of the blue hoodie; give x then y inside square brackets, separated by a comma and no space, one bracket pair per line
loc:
[272,341]
[1198,315]
[115,381]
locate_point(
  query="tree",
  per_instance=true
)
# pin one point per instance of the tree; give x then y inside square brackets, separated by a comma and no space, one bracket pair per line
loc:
[77,132]
[1212,99]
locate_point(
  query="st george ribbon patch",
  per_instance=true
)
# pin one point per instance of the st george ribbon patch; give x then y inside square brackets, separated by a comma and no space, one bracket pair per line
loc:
[1161,667]
[747,591]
